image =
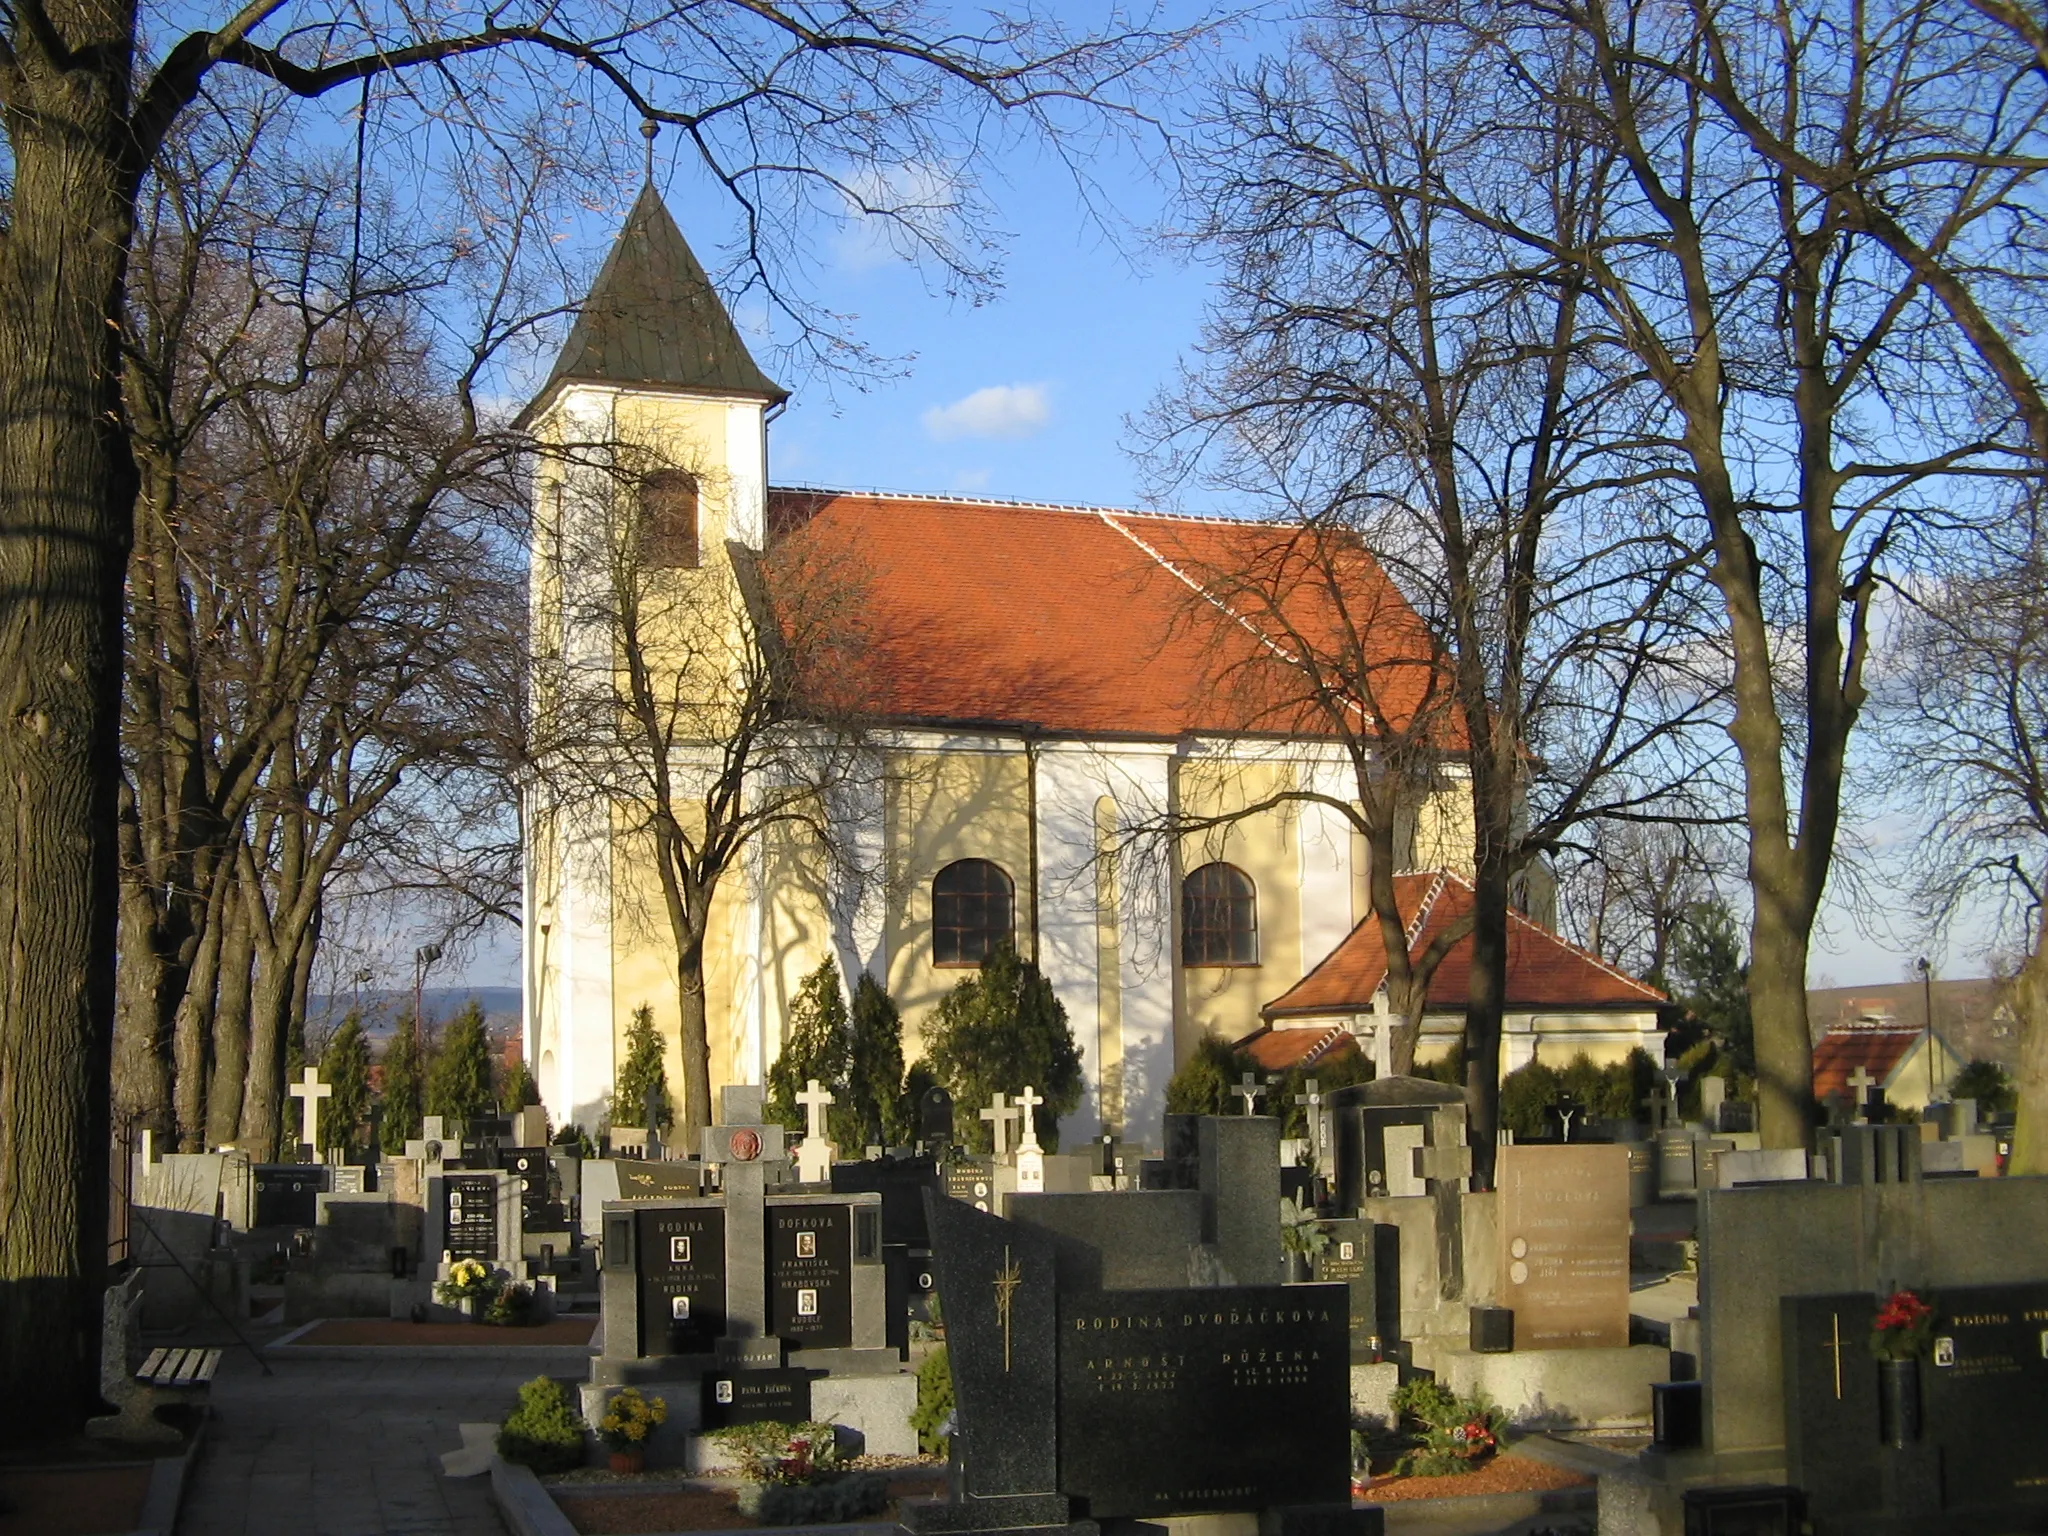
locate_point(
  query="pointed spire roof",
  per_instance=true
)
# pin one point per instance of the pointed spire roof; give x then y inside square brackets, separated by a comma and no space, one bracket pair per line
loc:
[652,317]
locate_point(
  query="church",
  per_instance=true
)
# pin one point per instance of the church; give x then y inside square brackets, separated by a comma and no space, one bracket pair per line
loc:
[1030,681]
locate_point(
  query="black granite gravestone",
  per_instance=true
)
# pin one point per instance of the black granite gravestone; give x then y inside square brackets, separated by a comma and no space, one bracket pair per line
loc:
[972,1180]
[1348,1261]
[538,1210]
[996,1283]
[469,1216]
[1982,1454]
[642,1180]
[1361,1114]
[1230,1398]
[287,1193]
[901,1182]
[681,1256]
[935,1122]
[810,1275]
[756,1397]
[1126,1240]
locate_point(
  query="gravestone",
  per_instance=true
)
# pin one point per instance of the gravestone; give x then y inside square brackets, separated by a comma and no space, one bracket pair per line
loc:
[681,1259]
[1348,1260]
[638,1180]
[1129,1240]
[469,1216]
[1982,1453]
[538,1210]
[1360,1117]
[814,1154]
[810,1275]
[309,1091]
[1189,1401]
[345,1180]
[1238,1160]
[756,1397]
[1564,1229]
[935,1123]
[973,1180]
[1076,1403]
[287,1194]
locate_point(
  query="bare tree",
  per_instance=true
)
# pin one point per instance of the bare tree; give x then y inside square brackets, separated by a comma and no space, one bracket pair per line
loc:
[1394,373]
[1968,717]
[1826,417]
[702,701]
[1625,888]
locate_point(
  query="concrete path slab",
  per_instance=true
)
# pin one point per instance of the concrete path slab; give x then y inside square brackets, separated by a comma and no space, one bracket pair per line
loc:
[346,1447]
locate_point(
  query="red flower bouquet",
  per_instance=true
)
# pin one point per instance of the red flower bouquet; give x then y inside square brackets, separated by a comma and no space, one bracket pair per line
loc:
[1904,1329]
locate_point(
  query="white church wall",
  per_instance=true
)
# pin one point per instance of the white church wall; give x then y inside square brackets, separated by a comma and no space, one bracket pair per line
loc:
[1326,853]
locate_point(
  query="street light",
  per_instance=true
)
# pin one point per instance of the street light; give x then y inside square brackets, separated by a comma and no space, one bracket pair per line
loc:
[423,959]
[1927,1030]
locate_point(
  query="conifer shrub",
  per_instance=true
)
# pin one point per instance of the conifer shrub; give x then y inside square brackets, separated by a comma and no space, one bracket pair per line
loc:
[544,1432]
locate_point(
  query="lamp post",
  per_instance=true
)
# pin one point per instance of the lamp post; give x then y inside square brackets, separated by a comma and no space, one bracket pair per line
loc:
[423,960]
[1927,1030]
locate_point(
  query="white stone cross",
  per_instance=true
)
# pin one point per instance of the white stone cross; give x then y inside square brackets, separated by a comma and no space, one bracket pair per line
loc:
[814,1098]
[1312,1101]
[1249,1090]
[309,1091]
[814,1154]
[999,1116]
[1860,1084]
[1027,1106]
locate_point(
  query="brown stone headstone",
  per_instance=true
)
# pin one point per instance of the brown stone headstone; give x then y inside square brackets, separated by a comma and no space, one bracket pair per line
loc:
[1564,1245]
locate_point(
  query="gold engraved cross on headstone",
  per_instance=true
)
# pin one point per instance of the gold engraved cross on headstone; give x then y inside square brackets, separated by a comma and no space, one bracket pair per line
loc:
[1007,1279]
[1834,1343]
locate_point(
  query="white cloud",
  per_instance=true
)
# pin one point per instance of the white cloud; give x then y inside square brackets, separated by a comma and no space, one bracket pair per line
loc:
[1000,410]
[889,213]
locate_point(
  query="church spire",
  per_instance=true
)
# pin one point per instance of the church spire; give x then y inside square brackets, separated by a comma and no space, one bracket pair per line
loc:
[653,318]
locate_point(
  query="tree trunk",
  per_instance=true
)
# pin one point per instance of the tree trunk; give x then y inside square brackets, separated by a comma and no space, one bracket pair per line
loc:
[1778,938]
[696,1044]
[192,1038]
[2030,1003]
[66,489]
[230,1031]
[141,1068]
[1487,990]
[269,1019]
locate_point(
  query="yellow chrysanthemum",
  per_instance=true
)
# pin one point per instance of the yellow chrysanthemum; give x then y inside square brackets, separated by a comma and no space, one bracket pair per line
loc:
[636,1431]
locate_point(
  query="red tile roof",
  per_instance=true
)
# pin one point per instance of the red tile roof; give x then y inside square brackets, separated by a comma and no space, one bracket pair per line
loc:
[1543,970]
[1877,1049]
[1278,1049]
[1096,622]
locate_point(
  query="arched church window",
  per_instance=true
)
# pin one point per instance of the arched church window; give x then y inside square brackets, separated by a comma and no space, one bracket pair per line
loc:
[668,520]
[1219,917]
[972,902]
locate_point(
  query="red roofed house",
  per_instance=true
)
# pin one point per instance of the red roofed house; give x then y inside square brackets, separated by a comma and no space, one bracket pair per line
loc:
[1033,679]
[1560,999]
[1873,1049]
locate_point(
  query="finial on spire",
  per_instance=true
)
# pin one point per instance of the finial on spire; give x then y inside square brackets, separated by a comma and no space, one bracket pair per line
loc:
[648,129]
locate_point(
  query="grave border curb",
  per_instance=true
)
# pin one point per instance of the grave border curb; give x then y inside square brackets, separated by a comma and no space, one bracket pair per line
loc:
[551,1358]
[526,1505]
[167,1478]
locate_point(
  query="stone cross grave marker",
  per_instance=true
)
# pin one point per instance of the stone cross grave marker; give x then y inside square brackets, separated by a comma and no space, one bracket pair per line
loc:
[746,1149]
[1658,1103]
[1250,1090]
[430,1146]
[1860,1084]
[814,1153]
[1445,1164]
[1311,1099]
[309,1091]
[999,1115]
[1030,1155]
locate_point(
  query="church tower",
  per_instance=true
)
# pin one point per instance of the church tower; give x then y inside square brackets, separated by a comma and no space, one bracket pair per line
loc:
[652,438]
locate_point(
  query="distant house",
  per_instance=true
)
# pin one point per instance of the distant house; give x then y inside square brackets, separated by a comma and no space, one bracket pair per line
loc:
[1560,1000]
[1905,1060]
[1974,1015]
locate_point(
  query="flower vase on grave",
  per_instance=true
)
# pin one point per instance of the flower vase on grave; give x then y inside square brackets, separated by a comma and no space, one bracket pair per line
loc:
[1898,1402]
[629,1461]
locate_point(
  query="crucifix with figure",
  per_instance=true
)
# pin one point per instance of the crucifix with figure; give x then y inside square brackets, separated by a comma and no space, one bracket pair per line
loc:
[814,1153]
[309,1091]
[1312,1101]
[1250,1091]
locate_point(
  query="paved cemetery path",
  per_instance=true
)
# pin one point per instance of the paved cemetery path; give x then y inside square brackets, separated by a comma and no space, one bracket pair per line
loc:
[346,1448]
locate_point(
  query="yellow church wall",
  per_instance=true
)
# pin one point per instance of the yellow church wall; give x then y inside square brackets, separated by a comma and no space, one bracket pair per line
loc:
[1443,830]
[797,929]
[1225,1000]
[944,806]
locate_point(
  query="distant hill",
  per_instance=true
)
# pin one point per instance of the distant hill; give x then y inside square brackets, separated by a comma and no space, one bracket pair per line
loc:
[1972,1015]
[382,1010]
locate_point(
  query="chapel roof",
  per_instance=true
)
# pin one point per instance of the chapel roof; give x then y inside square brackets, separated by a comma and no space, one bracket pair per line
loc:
[1543,970]
[1083,621]
[1275,1050]
[1879,1049]
[652,318]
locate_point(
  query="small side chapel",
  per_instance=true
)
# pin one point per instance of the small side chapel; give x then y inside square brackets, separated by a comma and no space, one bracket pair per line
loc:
[1031,682]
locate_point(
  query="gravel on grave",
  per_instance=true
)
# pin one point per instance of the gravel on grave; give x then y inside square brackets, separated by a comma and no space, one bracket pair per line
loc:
[1504,1474]
[387,1332]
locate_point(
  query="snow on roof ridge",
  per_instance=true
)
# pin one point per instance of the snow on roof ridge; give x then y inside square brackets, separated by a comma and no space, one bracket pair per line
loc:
[1020,504]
